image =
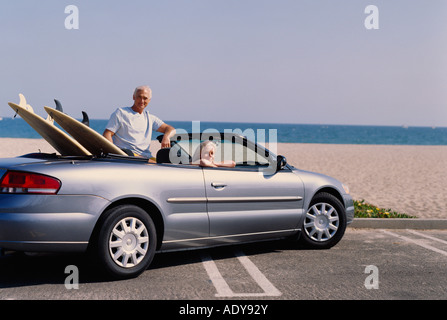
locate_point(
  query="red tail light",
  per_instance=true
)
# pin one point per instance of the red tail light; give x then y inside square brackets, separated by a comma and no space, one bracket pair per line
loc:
[25,182]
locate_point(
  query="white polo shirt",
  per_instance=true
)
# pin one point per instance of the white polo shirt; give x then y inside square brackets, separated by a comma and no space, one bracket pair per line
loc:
[133,130]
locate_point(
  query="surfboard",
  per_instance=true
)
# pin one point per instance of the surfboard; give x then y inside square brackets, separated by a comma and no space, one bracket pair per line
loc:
[86,136]
[57,138]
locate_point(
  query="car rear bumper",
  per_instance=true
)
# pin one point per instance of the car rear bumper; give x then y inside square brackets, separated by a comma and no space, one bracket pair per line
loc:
[48,222]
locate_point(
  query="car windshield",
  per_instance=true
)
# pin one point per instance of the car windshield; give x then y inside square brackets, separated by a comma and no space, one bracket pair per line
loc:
[228,148]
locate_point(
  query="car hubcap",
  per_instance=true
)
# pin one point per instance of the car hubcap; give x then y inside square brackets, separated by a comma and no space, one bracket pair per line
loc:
[128,242]
[321,222]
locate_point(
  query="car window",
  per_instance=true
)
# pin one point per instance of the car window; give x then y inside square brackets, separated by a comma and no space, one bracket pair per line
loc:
[226,150]
[188,146]
[239,153]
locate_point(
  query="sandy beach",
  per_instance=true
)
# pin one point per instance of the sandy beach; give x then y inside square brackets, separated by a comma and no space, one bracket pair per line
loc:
[407,179]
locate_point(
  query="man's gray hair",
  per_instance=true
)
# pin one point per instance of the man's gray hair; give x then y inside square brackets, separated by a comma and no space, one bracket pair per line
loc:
[140,88]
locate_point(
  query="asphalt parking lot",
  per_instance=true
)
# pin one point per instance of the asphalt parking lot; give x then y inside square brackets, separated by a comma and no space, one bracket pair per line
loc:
[368,264]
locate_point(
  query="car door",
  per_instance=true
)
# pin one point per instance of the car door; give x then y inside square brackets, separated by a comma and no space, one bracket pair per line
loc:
[181,197]
[244,203]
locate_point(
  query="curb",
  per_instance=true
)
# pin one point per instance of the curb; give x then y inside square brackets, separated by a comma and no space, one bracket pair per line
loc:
[397,223]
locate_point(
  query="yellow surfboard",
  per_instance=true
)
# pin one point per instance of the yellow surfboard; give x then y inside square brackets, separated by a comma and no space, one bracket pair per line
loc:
[86,136]
[57,138]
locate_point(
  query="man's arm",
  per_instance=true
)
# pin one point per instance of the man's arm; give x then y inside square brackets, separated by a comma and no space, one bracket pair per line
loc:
[168,132]
[108,135]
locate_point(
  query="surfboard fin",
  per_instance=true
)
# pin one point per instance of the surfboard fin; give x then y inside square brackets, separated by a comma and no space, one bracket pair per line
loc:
[58,105]
[85,119]
[23,103]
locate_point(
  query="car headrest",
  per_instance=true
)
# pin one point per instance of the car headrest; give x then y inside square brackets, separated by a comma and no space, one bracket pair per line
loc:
[163,155]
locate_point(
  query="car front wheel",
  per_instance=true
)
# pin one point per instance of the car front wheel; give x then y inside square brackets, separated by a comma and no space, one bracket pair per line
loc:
[127,241]
[325,222]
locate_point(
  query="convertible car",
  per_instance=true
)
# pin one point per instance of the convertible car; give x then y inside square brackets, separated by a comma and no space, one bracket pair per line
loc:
[124,209]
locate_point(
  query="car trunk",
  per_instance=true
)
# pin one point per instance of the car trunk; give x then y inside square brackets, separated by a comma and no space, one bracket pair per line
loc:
[20,163]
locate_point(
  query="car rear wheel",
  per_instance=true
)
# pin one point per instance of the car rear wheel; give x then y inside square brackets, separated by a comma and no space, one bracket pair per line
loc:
[126,241]
[325,222]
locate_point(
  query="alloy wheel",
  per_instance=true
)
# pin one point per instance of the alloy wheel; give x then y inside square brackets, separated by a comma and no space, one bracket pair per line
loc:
[128,242]
[321,222]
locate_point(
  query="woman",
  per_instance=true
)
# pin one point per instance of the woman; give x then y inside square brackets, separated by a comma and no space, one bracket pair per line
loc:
[207,151]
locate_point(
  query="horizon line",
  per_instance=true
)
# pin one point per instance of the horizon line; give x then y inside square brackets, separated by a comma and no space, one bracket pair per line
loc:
[403,125]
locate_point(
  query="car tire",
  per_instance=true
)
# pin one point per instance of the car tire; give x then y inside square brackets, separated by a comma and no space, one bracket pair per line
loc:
[126,242]
[324,223]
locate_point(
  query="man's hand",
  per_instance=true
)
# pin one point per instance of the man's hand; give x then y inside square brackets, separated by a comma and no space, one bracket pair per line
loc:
[166,142]
[168,132]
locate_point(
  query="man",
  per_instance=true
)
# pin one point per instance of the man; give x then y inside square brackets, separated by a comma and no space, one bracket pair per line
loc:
[131,128]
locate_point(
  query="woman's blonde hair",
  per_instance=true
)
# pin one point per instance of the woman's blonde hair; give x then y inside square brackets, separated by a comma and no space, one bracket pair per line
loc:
[197,154]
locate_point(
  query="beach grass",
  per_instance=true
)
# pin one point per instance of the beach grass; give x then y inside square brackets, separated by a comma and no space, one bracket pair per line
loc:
[367,210]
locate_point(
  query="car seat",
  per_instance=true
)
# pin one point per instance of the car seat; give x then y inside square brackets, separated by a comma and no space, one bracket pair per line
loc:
[163,155]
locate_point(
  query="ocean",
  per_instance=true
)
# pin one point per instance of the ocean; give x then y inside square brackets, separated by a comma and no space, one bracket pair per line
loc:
[294,133]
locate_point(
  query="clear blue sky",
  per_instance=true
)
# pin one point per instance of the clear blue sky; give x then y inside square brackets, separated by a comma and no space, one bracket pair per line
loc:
[280,61]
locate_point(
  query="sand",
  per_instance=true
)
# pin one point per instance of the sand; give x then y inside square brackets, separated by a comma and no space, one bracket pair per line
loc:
[407,179]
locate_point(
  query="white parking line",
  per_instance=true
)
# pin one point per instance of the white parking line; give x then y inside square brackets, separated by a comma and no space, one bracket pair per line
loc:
[415,241]
[223,290]
[427,236]
[258,276]
[222,287]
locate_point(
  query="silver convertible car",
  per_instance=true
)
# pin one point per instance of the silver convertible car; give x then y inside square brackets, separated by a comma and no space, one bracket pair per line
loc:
[125,209]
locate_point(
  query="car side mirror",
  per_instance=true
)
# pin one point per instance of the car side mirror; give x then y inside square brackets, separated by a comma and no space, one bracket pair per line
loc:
[281,162]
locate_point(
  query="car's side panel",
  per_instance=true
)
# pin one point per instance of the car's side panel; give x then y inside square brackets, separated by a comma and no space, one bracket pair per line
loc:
[177,191]
[247,204]
[183,203]
[47,222]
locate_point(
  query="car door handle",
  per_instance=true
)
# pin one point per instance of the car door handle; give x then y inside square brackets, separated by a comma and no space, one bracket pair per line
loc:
[218,185]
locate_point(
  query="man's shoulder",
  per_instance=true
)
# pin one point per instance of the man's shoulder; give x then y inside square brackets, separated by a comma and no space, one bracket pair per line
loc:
[150,115]
[123,111]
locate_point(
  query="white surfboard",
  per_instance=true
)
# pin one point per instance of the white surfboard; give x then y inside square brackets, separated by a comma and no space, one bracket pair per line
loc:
[94,142]
[57,138]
